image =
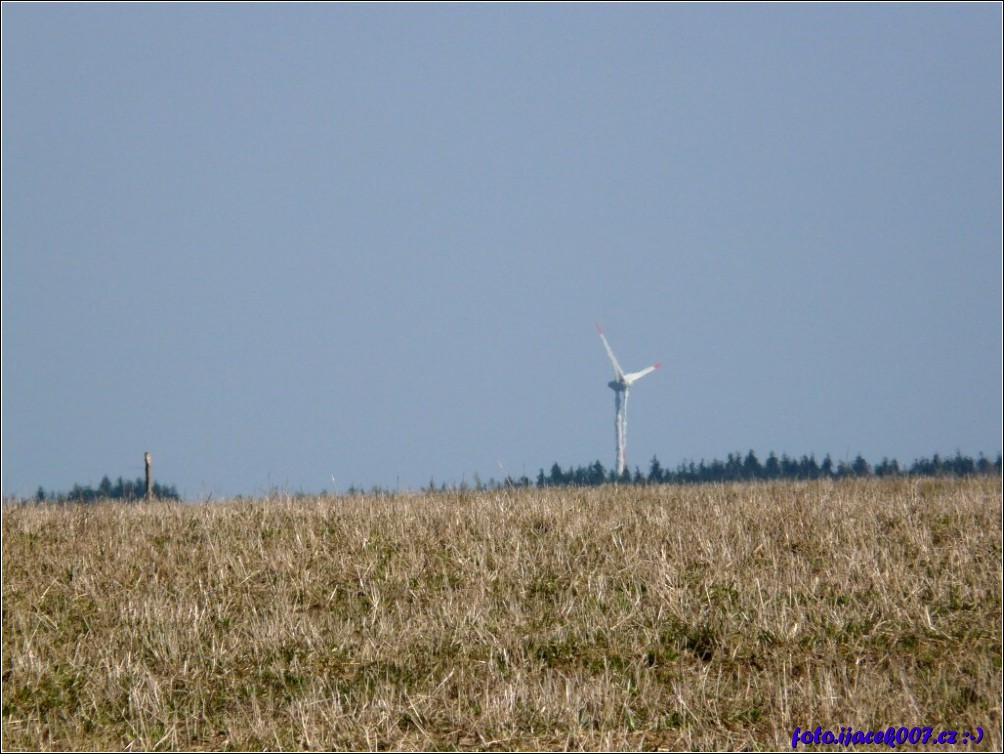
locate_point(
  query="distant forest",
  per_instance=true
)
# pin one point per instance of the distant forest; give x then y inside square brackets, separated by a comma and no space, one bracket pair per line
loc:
[735,468]
[106,490]
[739,468]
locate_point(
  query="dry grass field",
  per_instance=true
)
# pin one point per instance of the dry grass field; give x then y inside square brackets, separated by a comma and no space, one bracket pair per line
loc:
[711,617]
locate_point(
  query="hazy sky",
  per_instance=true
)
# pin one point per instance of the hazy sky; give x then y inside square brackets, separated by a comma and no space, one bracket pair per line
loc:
[279,244]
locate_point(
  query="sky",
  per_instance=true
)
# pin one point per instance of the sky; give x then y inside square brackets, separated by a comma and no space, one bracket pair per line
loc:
[303,247]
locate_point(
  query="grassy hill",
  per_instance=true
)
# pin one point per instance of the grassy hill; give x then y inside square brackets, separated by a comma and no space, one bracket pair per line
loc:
[667,617]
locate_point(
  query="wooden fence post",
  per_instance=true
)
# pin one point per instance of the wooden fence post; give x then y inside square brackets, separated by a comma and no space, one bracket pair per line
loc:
[148,461]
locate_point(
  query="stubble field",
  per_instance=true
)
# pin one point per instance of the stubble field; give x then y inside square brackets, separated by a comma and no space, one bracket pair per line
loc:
[708,617]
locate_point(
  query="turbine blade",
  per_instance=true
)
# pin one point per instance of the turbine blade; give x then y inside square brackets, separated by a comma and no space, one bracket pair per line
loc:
[613,359]
[635,376]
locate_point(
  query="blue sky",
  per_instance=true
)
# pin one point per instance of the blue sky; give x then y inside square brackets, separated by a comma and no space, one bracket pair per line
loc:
[275,245]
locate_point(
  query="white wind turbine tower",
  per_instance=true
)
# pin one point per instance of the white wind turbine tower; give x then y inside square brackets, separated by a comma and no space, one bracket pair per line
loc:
[621,385]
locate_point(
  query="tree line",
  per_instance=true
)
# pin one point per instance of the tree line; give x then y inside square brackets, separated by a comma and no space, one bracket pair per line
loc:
[122,489]
[739,468]
[735,468]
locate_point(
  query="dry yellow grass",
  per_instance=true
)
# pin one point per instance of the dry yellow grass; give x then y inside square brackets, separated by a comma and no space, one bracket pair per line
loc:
[624,618]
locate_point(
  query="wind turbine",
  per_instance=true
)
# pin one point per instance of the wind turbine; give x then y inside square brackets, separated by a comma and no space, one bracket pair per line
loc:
[621,385]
